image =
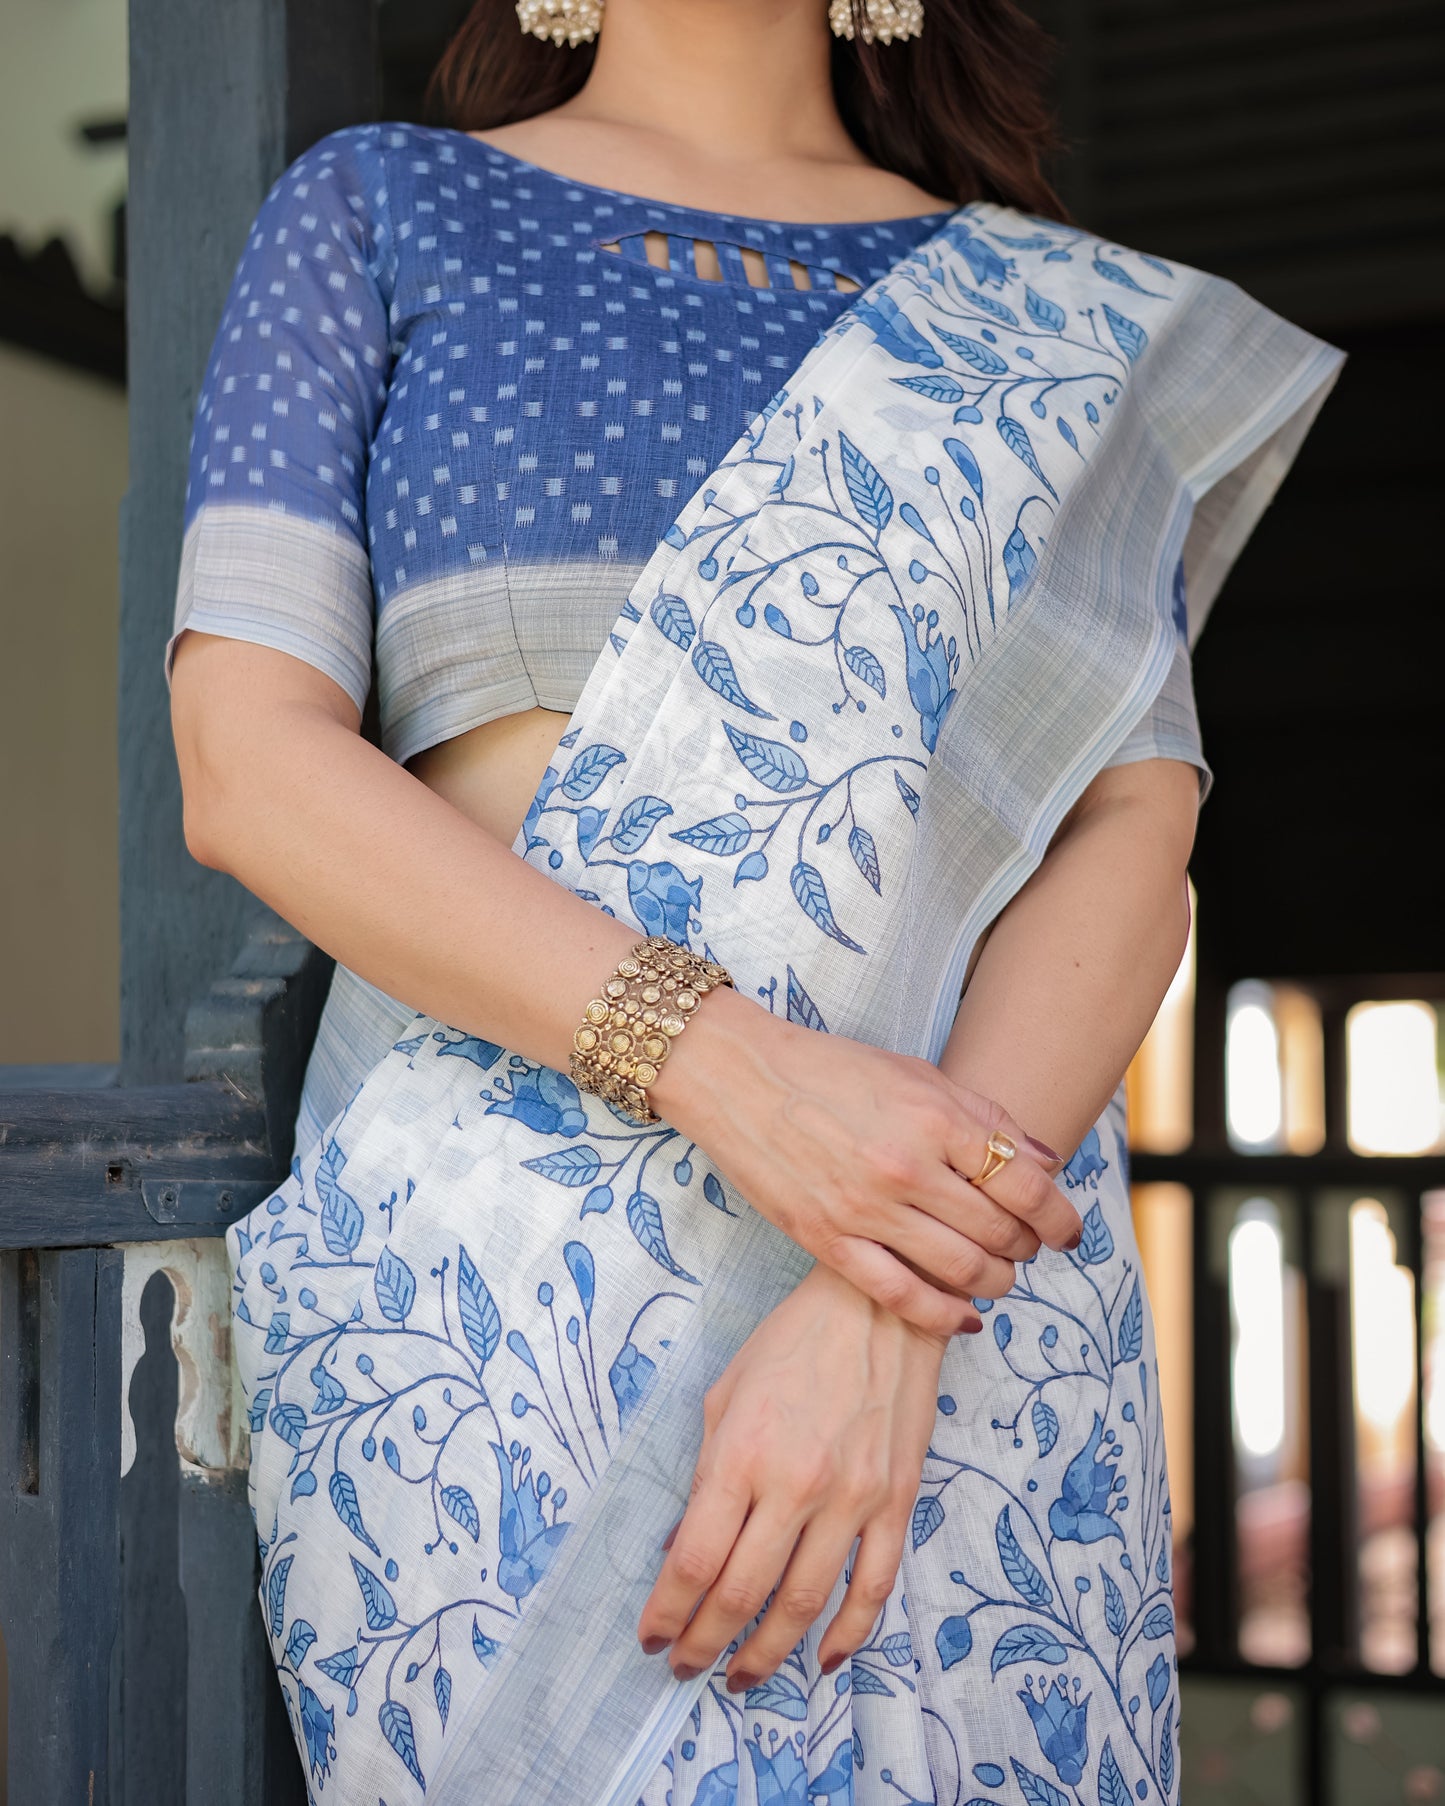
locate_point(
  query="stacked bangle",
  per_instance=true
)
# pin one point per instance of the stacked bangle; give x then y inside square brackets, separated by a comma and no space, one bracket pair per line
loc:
[628,1030]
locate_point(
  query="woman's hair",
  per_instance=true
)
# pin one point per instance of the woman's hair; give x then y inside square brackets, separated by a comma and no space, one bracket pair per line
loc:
[960,111]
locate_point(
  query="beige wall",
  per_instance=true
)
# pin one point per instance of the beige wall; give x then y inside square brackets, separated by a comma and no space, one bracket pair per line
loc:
[62,473]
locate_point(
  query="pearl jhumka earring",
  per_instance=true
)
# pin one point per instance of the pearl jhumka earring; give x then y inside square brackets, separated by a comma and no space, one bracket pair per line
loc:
[578,21]
[563,21]
[882,19]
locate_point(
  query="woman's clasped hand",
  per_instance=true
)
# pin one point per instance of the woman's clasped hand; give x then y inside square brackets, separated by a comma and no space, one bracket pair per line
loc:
[813,1439]
[860,1155]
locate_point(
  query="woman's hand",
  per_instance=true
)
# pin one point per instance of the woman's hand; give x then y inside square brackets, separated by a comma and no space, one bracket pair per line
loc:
[858,1155]
[813,1437]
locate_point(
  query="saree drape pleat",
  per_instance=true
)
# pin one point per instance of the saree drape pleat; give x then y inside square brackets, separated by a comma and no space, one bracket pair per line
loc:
[853,694]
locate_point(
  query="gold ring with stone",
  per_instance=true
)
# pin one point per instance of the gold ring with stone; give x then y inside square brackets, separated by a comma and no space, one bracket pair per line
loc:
[1001,1149]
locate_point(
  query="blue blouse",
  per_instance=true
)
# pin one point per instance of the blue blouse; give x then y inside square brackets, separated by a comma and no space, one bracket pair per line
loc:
[442,429]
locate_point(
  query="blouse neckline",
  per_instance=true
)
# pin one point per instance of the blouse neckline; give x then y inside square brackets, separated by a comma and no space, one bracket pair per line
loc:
[622,196]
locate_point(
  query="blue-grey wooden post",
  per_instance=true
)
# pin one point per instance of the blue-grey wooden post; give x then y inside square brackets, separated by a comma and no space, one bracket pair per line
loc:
[222,98]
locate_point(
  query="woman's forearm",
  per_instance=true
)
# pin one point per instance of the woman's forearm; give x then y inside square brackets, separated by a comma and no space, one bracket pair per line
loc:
[1076,966]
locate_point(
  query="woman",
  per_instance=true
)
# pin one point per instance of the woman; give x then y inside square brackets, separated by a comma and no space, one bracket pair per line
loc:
[896,708]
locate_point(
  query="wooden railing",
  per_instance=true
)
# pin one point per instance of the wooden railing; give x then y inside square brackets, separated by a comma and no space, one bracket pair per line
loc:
[138,1670]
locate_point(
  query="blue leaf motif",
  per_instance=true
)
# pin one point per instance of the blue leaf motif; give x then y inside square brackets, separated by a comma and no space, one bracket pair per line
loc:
[800,1005]
[812,895]
[778,621]
[714,666]
[754,866]
[1066,433]
[1115,1615]
[459,1505]
[288,1421]
[1047,315]
[637,821]
[1096,1243]
[718,1787]
[1046,1426]
[442,1689]
[588,769]
[1166,1752]
[927,1518]
[481,1320]
[1019,1571]
[908,793]
[897,1649]
[723,835]
[341,1219]
[578,1257]
[302,1636]
[578,1165]
[1131,1327]
[937,388]
[340,1667]
[861,662]
[396,1727]
[865,1680]
[278,1332]
[865,856]
[980,357]
[772,762]
[1027,1643]
[276,1593]
[484,1647]
[1035,1789]
[1114,272]
[712,1190]
[673,619]
[644,1217]
[589,828]
[1113,1789]
[953,1640]
[379,1604]
[870,494]
[1017,440]
[1129,336]
[347,1507]
[1158,1682]
[395,1285]
[1158,1622]
[989,305]
[780,1694]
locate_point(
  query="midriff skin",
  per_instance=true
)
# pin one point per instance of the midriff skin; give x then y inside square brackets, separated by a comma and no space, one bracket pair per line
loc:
[491,772]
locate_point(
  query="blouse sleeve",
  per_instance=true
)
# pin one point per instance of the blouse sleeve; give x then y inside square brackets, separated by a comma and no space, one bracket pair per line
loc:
[1170,727]
[275,548]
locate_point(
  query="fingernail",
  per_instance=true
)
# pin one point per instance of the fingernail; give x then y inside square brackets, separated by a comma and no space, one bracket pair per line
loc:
[740,1683]
[671,1536]
[685,1673]
[1075,1239]
[1042,1147]
[654,1645]
[971,1329]
[833,1664]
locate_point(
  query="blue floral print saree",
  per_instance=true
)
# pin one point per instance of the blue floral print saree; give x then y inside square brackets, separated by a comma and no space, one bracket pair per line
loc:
[863,678]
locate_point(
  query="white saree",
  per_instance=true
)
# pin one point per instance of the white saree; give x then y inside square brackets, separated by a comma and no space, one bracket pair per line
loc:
[853,694]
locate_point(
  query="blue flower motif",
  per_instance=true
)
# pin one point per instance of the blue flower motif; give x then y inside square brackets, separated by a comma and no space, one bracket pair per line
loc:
[1061,1725]
[895,332]
[982,259]
[930,674]
[1080,1513]
[1088,1164]
[662,897]
[781,1778]
[526,1540]
[630,1376]
[318,1724]
[545,1100]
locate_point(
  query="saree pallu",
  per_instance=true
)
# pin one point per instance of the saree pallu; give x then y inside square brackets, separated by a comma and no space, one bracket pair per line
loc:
[858,686]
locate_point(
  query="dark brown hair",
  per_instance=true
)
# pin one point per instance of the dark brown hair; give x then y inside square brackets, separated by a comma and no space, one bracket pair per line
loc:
[960,111]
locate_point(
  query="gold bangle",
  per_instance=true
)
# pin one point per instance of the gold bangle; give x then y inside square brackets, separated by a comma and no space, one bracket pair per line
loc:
[627,1031]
